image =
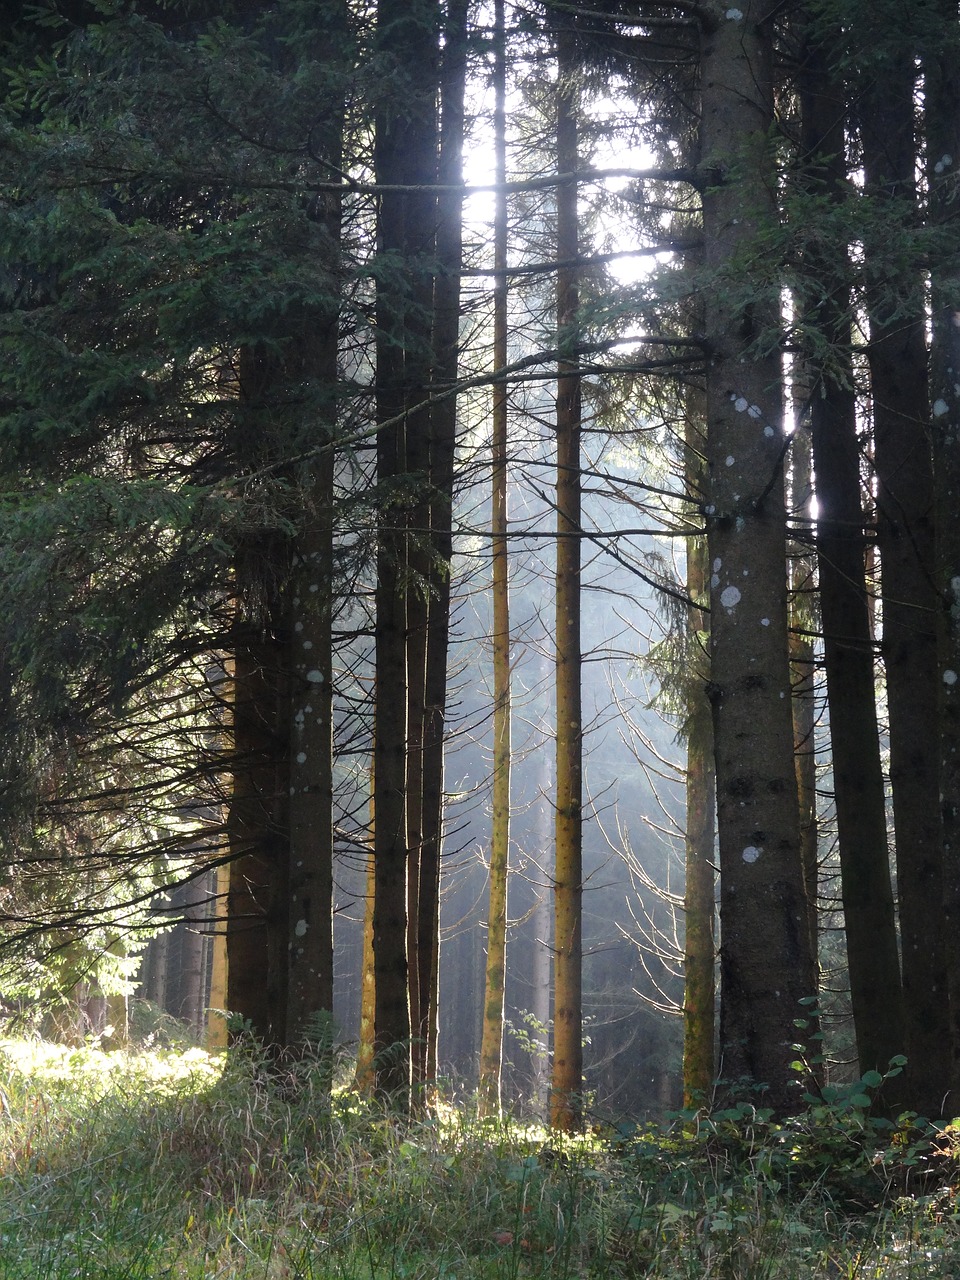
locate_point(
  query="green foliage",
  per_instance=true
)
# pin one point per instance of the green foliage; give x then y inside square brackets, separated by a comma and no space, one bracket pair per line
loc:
[231,1168]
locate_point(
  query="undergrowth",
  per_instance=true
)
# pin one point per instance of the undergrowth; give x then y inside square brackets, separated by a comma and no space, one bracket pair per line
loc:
[116,1166]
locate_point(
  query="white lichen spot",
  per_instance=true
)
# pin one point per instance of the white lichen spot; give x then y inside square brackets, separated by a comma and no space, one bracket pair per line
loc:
[739,524]
[710,510]
[314,586]
[940,407]
[717,565]
[949,677]
[315,677]
[301,757]
[745,573]
[955,319]
[754,411]
[308,710]
[735,15]
[943,164]
[741,405]
[298,627]
[300,929]
[768,432]
[751,853]
[715,580]
[730,460]
[730,597]
[764,622]
[308,644]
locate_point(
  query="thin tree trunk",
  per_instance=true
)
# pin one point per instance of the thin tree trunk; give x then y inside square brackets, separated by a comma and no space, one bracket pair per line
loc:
[905,508]
[443,429]
[566,1084]
[699,964]
[803,678]
[491,1047]
[766,966]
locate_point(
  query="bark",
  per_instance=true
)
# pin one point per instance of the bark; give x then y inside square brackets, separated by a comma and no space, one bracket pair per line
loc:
[313,362]
[491,1046]
[803,679]
[905,508]
[442,452]
[257,835]
[566,1083]
[404,155]
[699,959]
[216,1026]
[941,95]
[859,794]
[766,966]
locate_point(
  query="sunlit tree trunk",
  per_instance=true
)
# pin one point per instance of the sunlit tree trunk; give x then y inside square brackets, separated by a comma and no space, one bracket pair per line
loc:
[491,1047]
[766,966]
[699,959]
[803,678]
[566,1082]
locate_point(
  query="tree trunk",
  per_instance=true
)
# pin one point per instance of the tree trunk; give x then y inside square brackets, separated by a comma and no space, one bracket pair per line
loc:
[491,1047]
[766,966]
[566,1084]
[442,452]
[699,959]
[905,508]
[699,987]
[941,95]
[859,793]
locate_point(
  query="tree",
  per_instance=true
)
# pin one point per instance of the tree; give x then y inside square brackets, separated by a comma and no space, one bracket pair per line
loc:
[765,962]
[566,1082]
[491,1047]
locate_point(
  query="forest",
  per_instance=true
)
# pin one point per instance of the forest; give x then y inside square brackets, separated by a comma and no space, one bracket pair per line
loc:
[480,596]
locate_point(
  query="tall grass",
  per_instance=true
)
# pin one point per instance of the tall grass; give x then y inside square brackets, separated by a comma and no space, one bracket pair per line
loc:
[116,1166]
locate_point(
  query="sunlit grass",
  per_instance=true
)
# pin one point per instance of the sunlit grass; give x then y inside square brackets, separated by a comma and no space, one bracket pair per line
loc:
[115,1166]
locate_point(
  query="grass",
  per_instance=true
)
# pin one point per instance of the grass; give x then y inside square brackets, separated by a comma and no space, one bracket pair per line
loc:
[116,1166]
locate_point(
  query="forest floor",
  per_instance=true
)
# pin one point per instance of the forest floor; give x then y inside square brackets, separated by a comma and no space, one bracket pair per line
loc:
[119,1166]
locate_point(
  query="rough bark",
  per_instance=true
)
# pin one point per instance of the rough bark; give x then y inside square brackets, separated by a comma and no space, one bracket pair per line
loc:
[699,948]
[566,1083]
[941,95]
[765,962]
[905,508]
[491,1045]
[858,784]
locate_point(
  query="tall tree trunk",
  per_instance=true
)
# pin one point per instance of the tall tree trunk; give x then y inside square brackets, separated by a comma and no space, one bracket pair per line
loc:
[941,95]
[699,948]
[257,834]
[491,1047]
[905,508]
[765,961]
[405,159]
[859,793]
[699,898]
[803,679]
[566,1083]
[442,453]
